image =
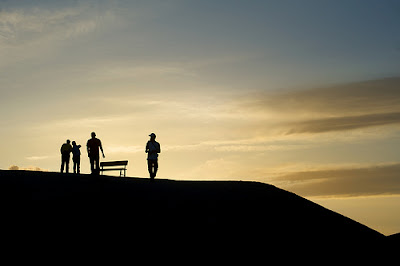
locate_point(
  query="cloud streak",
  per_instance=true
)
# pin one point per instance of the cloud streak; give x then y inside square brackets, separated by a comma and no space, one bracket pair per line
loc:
[376,96]
[30,31]
[345,181]
[344,123]
[337,108]
[21,26]
[36,158]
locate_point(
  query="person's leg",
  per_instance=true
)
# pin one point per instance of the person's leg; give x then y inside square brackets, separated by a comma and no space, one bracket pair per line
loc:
[74,161]
[92,165]
[155,168]
[62,163]
[67,165]
[97,165]
[78,165]
[150,167]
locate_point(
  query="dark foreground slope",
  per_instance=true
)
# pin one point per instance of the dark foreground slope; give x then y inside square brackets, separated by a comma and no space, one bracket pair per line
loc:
[394,239]
[195,215]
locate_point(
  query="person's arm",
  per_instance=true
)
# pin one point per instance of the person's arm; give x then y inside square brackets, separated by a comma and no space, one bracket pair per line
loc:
[147,147]
[159,148]
[88,149]
[101,148]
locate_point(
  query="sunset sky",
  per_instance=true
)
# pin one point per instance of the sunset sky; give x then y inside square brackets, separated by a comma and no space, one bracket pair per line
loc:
[304,95]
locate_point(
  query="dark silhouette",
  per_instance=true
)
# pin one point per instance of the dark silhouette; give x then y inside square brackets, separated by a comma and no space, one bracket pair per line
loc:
[152,150]
[65,150]
[76,157]
[258,222]
[93,146]
[116,166]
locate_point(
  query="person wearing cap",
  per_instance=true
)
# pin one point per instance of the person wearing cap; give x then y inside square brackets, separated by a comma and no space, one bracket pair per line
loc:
[65,150]
[93,146]
[152,150]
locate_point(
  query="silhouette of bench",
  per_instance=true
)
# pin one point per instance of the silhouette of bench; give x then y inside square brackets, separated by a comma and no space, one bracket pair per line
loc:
[121,169]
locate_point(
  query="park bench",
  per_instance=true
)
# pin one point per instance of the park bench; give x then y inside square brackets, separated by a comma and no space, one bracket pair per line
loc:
[121,169]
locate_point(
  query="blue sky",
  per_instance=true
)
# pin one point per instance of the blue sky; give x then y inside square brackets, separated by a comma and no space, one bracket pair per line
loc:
[283,43]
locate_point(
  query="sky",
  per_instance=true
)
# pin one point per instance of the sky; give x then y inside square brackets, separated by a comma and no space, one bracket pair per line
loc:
[304,95]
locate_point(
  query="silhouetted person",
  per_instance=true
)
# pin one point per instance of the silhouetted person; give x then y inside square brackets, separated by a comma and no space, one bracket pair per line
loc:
[65,150]
[93,146]
[152,150]
[76,157]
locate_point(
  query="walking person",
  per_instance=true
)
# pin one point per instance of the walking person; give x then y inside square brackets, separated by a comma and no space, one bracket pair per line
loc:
[65,150]
[76,157]
[93,146]
[152,149]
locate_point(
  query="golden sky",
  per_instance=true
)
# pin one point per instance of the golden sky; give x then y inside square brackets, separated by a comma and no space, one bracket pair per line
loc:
[268,91]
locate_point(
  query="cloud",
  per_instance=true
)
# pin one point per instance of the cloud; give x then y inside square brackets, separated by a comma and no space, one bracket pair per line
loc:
[142,71]
[373,96]
[83,122]
[344,123]
[125,149]
[337,108]
[223,146]
[344,181]
[33,24]
[40,32]
[29,168]
[35,158]
[239,145]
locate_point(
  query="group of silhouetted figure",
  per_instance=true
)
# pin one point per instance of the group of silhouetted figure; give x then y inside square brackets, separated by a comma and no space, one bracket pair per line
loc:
[93,146]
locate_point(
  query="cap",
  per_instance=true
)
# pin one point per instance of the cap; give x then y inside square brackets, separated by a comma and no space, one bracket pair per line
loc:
[152,135]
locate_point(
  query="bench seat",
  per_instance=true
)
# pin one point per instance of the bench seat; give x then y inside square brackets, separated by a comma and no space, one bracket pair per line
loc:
[122,169]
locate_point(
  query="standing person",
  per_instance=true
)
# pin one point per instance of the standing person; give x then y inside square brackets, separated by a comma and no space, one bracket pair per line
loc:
[152,149]
[65,150]
[76,157]
[93,146]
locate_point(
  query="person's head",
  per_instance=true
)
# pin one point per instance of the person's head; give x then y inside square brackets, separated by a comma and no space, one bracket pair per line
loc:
[73,143]
[93,135]
[152,136]
[68,141]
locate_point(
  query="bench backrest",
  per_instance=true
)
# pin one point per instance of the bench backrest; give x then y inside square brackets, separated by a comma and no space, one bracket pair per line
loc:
[114,163]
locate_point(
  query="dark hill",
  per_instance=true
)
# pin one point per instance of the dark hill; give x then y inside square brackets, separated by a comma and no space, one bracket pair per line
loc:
[250,217]
[395,238]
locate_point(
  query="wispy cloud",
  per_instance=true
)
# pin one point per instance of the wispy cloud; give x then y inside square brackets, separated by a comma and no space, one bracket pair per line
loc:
[373,96]
[337,108]
[27,32]
[344,181]
[344,123]
[84,122]
[141,70]
[19,26]
[37,158]
[125,149]
[245,145]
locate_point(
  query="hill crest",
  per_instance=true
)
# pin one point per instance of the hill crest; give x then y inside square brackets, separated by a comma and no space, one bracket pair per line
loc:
[222,213]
